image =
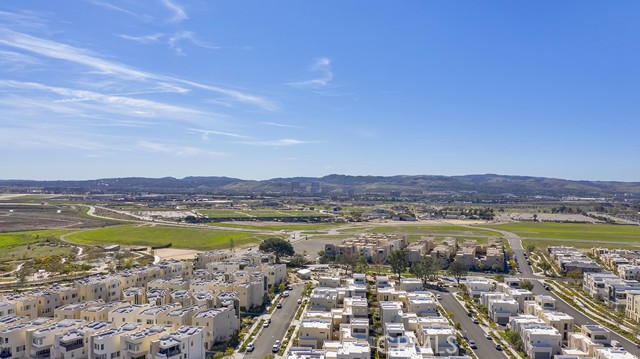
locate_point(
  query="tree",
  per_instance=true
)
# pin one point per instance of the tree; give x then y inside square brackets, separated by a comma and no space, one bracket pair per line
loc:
[530,248]
[526,284]
[458,270]
[545,266]
[232,244]
[297,260]
[277,246]
[349,261]
[426,269]
[362,266]
[575,276]
[535,217]
[398,261]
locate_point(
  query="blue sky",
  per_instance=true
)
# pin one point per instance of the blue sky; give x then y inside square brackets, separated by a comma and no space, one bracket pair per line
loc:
[262,89]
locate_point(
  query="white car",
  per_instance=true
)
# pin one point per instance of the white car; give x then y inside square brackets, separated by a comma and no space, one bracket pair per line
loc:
[438,296]
[285,294]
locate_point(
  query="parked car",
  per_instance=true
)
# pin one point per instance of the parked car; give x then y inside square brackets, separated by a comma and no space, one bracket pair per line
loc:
[475,320]
[275,348]
[438,296]
[299,300]
[285,294]
[472,344]
[498,347]
[250,347]
[488,336]
[266,323]
[279,305]
[289,287]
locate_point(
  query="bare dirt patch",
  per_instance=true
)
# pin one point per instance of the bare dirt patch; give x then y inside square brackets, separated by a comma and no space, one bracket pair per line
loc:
[175,253]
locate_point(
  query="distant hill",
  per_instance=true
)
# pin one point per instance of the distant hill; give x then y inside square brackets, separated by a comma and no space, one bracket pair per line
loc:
[486,184]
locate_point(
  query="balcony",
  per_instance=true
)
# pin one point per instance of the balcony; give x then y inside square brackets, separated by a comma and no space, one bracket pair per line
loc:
[73,345]
[169,352]
[5,353]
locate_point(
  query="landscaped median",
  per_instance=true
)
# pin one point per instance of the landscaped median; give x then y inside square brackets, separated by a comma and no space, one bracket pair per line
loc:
[252,336]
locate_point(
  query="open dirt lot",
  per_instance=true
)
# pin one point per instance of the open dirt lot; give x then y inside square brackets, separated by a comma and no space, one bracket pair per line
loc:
[175,253]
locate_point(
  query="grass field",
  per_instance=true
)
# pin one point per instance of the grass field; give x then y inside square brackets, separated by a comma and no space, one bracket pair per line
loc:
[258,213]
[594,232]
[415,231]
[585,244]
[276,226]
[180,237]
[11,239]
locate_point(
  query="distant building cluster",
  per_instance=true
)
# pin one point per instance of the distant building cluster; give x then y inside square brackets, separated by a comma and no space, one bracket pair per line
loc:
[165,310]
[376,247]
[570,259]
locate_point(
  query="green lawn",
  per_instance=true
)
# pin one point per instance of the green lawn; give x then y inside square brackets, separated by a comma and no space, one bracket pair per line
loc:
[180,237]
[415,231]
[586,244]
[276,226]
[594,232]
[10,239]
[258,213]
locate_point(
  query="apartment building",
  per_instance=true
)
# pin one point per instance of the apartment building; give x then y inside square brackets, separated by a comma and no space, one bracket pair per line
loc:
[422,305]
[356,307]
[391,312]
[594,284]
[375,247]
[539,304]
[181,316]
[517,323]
[415,251]
[410,284]
[12,319]
[135,295]
[570,259]
[73,311]
[24,305]
[126,314]
[329,281]
[560,321]
[632,307]
[202,259]
[356,330]
[541,342]
[13,338]
[75,343]
[158,296]
[182,297]
[186,342]
[478,285]
[441,339]
[314,332]
[219,324]
[521,296]
[106,344]
[585,343]
[323,298]
[106,288]
[629,272]
[41,341]
[204,299]
[7,308]
[501,310]
[155,314]
[100,312]
[250,294]
[137,345]
[66,294]
[47,301]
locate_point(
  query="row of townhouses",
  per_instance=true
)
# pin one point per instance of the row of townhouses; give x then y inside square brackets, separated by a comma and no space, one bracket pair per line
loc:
[376,247]
[545,332]
[164,310]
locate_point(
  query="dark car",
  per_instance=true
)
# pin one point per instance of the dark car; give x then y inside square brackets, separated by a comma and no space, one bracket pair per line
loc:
[472,344]
[498,347]
[279,305]
[475,320]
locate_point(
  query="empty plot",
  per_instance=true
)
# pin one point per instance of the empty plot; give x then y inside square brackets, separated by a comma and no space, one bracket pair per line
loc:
[574,231]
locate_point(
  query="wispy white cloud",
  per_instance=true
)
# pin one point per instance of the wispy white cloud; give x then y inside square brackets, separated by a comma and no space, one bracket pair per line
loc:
[206,133]
[179,151]
[178,13]
[83,57]
[275,124]
[116,104]
[109,6]
[23,20]
[174,40]
[275,143]
[144,39]
[322,67]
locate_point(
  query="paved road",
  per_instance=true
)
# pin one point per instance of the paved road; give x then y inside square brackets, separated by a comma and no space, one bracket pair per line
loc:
[579,317]
[280,321]
[486,347]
